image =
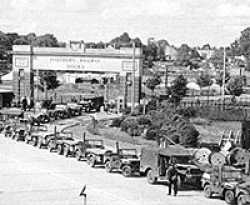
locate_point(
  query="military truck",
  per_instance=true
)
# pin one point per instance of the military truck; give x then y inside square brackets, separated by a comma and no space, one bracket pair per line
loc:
[124,160]
[227,182]
[98,154]
[156,161]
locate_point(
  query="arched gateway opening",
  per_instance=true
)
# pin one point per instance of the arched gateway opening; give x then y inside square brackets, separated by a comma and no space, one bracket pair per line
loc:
[29,61]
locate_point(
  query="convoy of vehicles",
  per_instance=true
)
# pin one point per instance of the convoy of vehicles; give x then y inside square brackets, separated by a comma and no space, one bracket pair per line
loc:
[227,181]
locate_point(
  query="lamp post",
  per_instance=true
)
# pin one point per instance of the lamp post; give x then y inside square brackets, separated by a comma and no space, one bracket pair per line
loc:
[133,80]
[144,98]
[224,75]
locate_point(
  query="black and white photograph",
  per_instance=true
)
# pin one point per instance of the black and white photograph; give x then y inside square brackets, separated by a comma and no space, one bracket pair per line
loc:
[124,102]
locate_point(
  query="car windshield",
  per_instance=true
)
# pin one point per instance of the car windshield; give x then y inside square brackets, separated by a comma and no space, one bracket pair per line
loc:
[181,159]
[95,142]
[42,128]
[60,106]
[130,152]
[67,135]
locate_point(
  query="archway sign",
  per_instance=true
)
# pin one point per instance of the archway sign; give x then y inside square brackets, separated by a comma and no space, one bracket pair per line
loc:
[27,60]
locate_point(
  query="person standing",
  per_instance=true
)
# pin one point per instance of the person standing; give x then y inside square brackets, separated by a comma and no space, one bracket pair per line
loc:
[24,103]
[173,179]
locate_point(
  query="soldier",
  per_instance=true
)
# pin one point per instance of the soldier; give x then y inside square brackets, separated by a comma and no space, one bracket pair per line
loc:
[24,103]
[173,179]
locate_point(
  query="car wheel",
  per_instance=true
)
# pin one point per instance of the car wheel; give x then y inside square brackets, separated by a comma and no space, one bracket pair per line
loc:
[50,147]
[229,197]
[26,140]
[126,171]
[108,167]
[150,177]
[208,191]
[66,151]
[78,155]
[39,144]
[59,149]
[91,161]
[241,200]
[34,141]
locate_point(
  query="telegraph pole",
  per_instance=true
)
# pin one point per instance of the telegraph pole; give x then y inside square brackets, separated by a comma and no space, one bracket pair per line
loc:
[133,81]
[224,75]
[166,80]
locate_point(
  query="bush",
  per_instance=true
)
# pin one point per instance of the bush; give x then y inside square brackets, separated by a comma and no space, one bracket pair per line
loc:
[152,133]
[144,120]
[126,110]
[187,112]
[189,136]
[152,105]
[117,122]
[131,126]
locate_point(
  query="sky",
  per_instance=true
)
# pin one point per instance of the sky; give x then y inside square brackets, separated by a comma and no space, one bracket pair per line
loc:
[195,22]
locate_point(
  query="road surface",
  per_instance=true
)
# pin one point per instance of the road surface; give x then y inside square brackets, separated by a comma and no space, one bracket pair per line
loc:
[32,176]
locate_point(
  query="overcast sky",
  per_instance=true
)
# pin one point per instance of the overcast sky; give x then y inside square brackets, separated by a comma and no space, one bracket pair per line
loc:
[195,22]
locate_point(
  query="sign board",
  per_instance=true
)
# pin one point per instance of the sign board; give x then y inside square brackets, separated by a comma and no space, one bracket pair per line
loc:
[22,62]
[84,63]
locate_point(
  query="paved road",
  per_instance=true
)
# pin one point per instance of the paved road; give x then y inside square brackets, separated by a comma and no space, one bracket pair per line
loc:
[29,176]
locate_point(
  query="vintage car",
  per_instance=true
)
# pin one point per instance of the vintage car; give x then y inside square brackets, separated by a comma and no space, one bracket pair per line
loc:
[92,103]
[34,133]
[39,118]
[58,111]
[124,160]
[21,130]
[57,143]
[44,138]
[156,161]
[98,154]
[227,182]
[9,119]
[79,148]
[74,109]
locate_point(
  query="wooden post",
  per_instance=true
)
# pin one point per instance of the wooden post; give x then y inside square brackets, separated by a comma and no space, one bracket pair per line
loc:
[85,199]
[83,137]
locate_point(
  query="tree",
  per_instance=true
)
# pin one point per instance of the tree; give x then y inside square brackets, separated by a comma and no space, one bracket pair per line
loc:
[161,47]
[152,82]
[47,40]
[21,41]
[235,85]
[245,45]
[187,56]
[178,89]
[219,78]
[235,49]
[150,54]
[217,59]
[205,79]
[50,78]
